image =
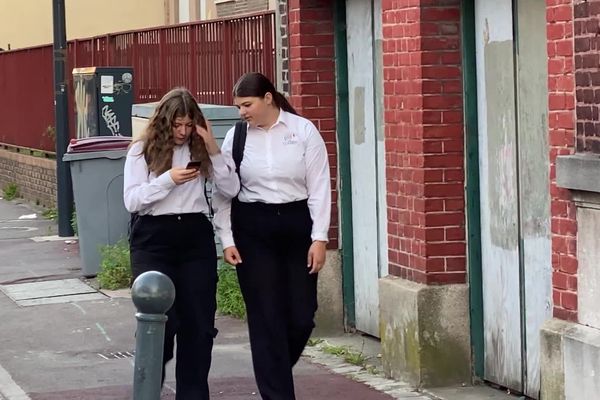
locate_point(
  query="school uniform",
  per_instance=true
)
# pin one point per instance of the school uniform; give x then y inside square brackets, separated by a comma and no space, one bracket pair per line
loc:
[172,234]
[284,204]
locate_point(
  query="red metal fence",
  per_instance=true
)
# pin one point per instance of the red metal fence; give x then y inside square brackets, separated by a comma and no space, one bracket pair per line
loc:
[206,57]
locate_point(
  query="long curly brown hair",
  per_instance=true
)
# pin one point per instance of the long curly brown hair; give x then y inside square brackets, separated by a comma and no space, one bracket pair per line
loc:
[158,136]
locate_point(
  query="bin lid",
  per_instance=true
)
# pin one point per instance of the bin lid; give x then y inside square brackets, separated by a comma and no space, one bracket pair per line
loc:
[212,112]
[98,143]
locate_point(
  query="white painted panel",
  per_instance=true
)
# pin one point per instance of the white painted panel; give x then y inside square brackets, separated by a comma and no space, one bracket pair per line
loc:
[588,254]
[582,363]
[533,181]
[363,165]
[203,11]
[498,191]
[184,11]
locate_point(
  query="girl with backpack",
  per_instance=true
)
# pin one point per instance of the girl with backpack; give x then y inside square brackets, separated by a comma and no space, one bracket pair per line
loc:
[276,229]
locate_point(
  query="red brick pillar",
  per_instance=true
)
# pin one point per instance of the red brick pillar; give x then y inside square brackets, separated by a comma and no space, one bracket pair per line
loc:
[424,140]
[561,88]
[312,78]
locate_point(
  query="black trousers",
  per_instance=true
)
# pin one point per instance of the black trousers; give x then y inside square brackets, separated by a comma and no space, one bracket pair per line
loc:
[280,294]
[182,247]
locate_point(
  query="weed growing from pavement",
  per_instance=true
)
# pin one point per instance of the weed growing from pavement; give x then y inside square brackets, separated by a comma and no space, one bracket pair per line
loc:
[229,295]
[335,350]
[355,358]
[51,214]
[74,222]
[115,266]
[313,342]
[372,370]
[11,191]
[349,356]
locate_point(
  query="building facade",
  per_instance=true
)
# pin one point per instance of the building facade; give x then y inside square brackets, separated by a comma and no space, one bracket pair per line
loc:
[466,144]
[28,25]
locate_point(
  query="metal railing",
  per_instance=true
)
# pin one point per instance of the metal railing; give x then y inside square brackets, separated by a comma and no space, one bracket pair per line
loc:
[207,57]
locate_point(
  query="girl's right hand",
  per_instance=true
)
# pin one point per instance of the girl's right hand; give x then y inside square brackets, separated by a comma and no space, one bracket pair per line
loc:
[232,255]
[183,175]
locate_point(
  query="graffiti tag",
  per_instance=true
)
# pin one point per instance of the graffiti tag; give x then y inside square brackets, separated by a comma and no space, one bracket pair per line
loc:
[111,120]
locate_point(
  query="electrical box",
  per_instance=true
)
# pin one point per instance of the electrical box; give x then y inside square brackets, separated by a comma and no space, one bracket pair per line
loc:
[103,101]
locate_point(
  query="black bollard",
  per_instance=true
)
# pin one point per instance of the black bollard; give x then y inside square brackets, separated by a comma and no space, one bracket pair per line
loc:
[153,294]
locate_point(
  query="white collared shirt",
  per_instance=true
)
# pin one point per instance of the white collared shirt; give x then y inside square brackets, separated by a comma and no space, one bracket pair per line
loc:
[146,193]
[285,163]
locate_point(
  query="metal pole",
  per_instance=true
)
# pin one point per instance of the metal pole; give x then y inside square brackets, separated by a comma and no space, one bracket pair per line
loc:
[153,293]
[64,189]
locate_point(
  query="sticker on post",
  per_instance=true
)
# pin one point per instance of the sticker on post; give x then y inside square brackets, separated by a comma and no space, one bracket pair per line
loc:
[108,99]
[107,84]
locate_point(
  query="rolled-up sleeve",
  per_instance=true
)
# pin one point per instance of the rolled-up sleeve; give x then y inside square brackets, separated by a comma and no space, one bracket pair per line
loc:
[318,183]
[139,190]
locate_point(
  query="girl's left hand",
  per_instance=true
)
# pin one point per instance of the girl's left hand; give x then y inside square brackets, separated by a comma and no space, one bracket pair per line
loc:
[209,140]
[316,256]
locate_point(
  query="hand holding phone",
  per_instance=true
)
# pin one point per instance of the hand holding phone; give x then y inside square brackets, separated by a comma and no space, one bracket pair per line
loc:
[194,164]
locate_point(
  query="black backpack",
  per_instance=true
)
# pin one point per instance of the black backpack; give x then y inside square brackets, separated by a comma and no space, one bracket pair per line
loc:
[239,142]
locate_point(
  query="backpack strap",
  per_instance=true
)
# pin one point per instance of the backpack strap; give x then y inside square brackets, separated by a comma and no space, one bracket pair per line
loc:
[239,142]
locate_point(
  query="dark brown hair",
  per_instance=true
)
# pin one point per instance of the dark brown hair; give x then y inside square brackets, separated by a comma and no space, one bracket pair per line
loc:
[255,84]
[158,137]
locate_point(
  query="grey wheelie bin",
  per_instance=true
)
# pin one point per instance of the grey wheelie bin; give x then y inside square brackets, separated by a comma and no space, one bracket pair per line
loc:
[97,172]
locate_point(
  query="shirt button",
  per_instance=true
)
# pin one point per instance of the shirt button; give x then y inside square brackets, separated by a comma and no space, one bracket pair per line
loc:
[179,217]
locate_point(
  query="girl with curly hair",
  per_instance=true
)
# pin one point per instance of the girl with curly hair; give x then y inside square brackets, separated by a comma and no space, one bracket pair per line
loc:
[170,230]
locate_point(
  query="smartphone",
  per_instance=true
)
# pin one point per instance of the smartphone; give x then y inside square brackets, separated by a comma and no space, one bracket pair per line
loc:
[194,165]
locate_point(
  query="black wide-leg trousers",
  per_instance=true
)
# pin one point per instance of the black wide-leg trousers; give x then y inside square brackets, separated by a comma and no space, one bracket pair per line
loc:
[183,248]
[280,294]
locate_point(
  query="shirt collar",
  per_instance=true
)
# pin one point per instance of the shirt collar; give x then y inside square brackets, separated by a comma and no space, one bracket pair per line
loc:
[283,118]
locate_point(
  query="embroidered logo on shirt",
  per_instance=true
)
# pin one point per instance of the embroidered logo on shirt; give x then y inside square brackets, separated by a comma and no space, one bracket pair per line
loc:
[290,138]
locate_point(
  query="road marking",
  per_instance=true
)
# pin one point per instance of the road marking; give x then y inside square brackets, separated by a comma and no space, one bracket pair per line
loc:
[80,308]
[9,388]
[55,238]
[170,388]
[101,329]
[20,228]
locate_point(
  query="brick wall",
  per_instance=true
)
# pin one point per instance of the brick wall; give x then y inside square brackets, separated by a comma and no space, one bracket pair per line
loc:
[237,7]
[561,88]
[587,75]
[35,177]
[312,66]
[424,140]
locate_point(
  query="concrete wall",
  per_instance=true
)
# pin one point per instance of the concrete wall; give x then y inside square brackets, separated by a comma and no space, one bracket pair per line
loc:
[570,361]
[425,336]
[330,314]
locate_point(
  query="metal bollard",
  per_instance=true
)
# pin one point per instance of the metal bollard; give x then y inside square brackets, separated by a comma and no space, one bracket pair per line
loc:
[153,294]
